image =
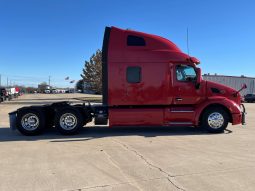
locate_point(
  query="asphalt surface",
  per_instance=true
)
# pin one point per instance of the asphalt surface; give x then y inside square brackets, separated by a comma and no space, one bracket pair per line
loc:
[100,158]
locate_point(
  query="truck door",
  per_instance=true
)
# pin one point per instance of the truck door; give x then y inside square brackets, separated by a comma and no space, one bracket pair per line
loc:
[185,90]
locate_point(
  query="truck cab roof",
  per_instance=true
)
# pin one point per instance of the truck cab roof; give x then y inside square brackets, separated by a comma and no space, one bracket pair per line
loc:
[125,45]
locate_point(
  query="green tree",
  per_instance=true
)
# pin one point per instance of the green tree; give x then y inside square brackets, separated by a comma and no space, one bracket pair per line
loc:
[92,73]
[42,87]
[79,85]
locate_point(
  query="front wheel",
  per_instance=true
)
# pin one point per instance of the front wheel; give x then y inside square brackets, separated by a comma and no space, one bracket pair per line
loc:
[68,121]
[215,120]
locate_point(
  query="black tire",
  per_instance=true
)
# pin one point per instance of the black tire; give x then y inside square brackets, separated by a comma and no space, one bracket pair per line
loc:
[75,121]
[215,120]
[38,121]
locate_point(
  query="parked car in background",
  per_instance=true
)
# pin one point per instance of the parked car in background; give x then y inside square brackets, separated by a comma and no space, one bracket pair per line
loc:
[12,93]
[58,91]
[17,92]
[249,98]
[47,91]
[8,94]
[54,91]
[3,94]
[69,91]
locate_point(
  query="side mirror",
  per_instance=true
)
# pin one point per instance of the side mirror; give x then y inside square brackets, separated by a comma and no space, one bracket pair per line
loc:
[199,78]
[244,86]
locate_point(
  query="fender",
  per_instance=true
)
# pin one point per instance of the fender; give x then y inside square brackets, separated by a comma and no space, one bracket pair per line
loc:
[232,107]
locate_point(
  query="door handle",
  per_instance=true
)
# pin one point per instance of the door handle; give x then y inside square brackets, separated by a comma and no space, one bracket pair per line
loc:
[178,99]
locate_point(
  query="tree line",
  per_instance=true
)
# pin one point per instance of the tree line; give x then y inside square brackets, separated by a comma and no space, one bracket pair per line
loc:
[91,81]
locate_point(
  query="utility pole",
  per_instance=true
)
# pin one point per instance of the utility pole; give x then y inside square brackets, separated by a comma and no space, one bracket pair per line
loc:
[0,80]
[7,82]
[49,80]
[187,40]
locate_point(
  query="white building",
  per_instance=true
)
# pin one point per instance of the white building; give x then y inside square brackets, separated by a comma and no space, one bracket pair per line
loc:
[233,81]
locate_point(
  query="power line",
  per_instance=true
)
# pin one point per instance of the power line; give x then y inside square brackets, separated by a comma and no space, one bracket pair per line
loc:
[41,78]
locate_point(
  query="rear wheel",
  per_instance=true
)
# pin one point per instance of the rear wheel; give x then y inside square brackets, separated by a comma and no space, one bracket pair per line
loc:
[215,120]
[30,121]
[68,121]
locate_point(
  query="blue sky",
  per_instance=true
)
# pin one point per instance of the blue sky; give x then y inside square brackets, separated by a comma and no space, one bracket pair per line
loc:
[41,38]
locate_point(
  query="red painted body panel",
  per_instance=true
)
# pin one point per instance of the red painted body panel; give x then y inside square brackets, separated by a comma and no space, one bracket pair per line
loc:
[138,117]
[226,92]
[173,115]
[155,99]
[153,89]
[149,116]
[154,59]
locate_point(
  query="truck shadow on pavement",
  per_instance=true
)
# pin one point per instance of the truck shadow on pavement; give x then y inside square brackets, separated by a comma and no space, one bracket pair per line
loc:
[89,133]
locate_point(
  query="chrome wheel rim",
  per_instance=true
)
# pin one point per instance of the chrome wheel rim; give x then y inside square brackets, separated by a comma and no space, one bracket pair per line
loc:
[215,120]
[30,122]
[68,121]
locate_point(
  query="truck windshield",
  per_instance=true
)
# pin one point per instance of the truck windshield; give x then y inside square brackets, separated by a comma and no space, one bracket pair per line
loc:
[185,73]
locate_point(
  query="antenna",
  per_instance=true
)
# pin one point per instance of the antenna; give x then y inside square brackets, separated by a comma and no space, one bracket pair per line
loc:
[187,40]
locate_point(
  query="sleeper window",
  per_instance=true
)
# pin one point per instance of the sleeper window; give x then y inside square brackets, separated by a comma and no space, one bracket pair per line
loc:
[133,74]
[135,41]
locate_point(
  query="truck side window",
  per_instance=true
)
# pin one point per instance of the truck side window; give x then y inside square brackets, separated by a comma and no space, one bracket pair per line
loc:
[133,74]
[185,73]
[135,41]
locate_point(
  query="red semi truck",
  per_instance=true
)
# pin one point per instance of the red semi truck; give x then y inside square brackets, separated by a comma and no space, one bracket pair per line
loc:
[147,81]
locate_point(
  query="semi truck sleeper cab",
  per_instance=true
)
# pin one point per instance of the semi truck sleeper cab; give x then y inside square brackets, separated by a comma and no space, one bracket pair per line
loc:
[147,81]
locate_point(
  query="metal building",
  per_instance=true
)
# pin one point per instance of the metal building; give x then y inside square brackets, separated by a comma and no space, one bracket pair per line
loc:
[233,81]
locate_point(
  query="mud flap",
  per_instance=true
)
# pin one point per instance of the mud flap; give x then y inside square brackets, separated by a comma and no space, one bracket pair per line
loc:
[13,120]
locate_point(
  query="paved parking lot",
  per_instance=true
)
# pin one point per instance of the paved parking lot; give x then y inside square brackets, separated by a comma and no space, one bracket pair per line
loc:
[100,158]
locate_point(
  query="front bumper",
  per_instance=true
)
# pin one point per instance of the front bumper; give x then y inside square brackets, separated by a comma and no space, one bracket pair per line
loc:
[239,118]
[13,120]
